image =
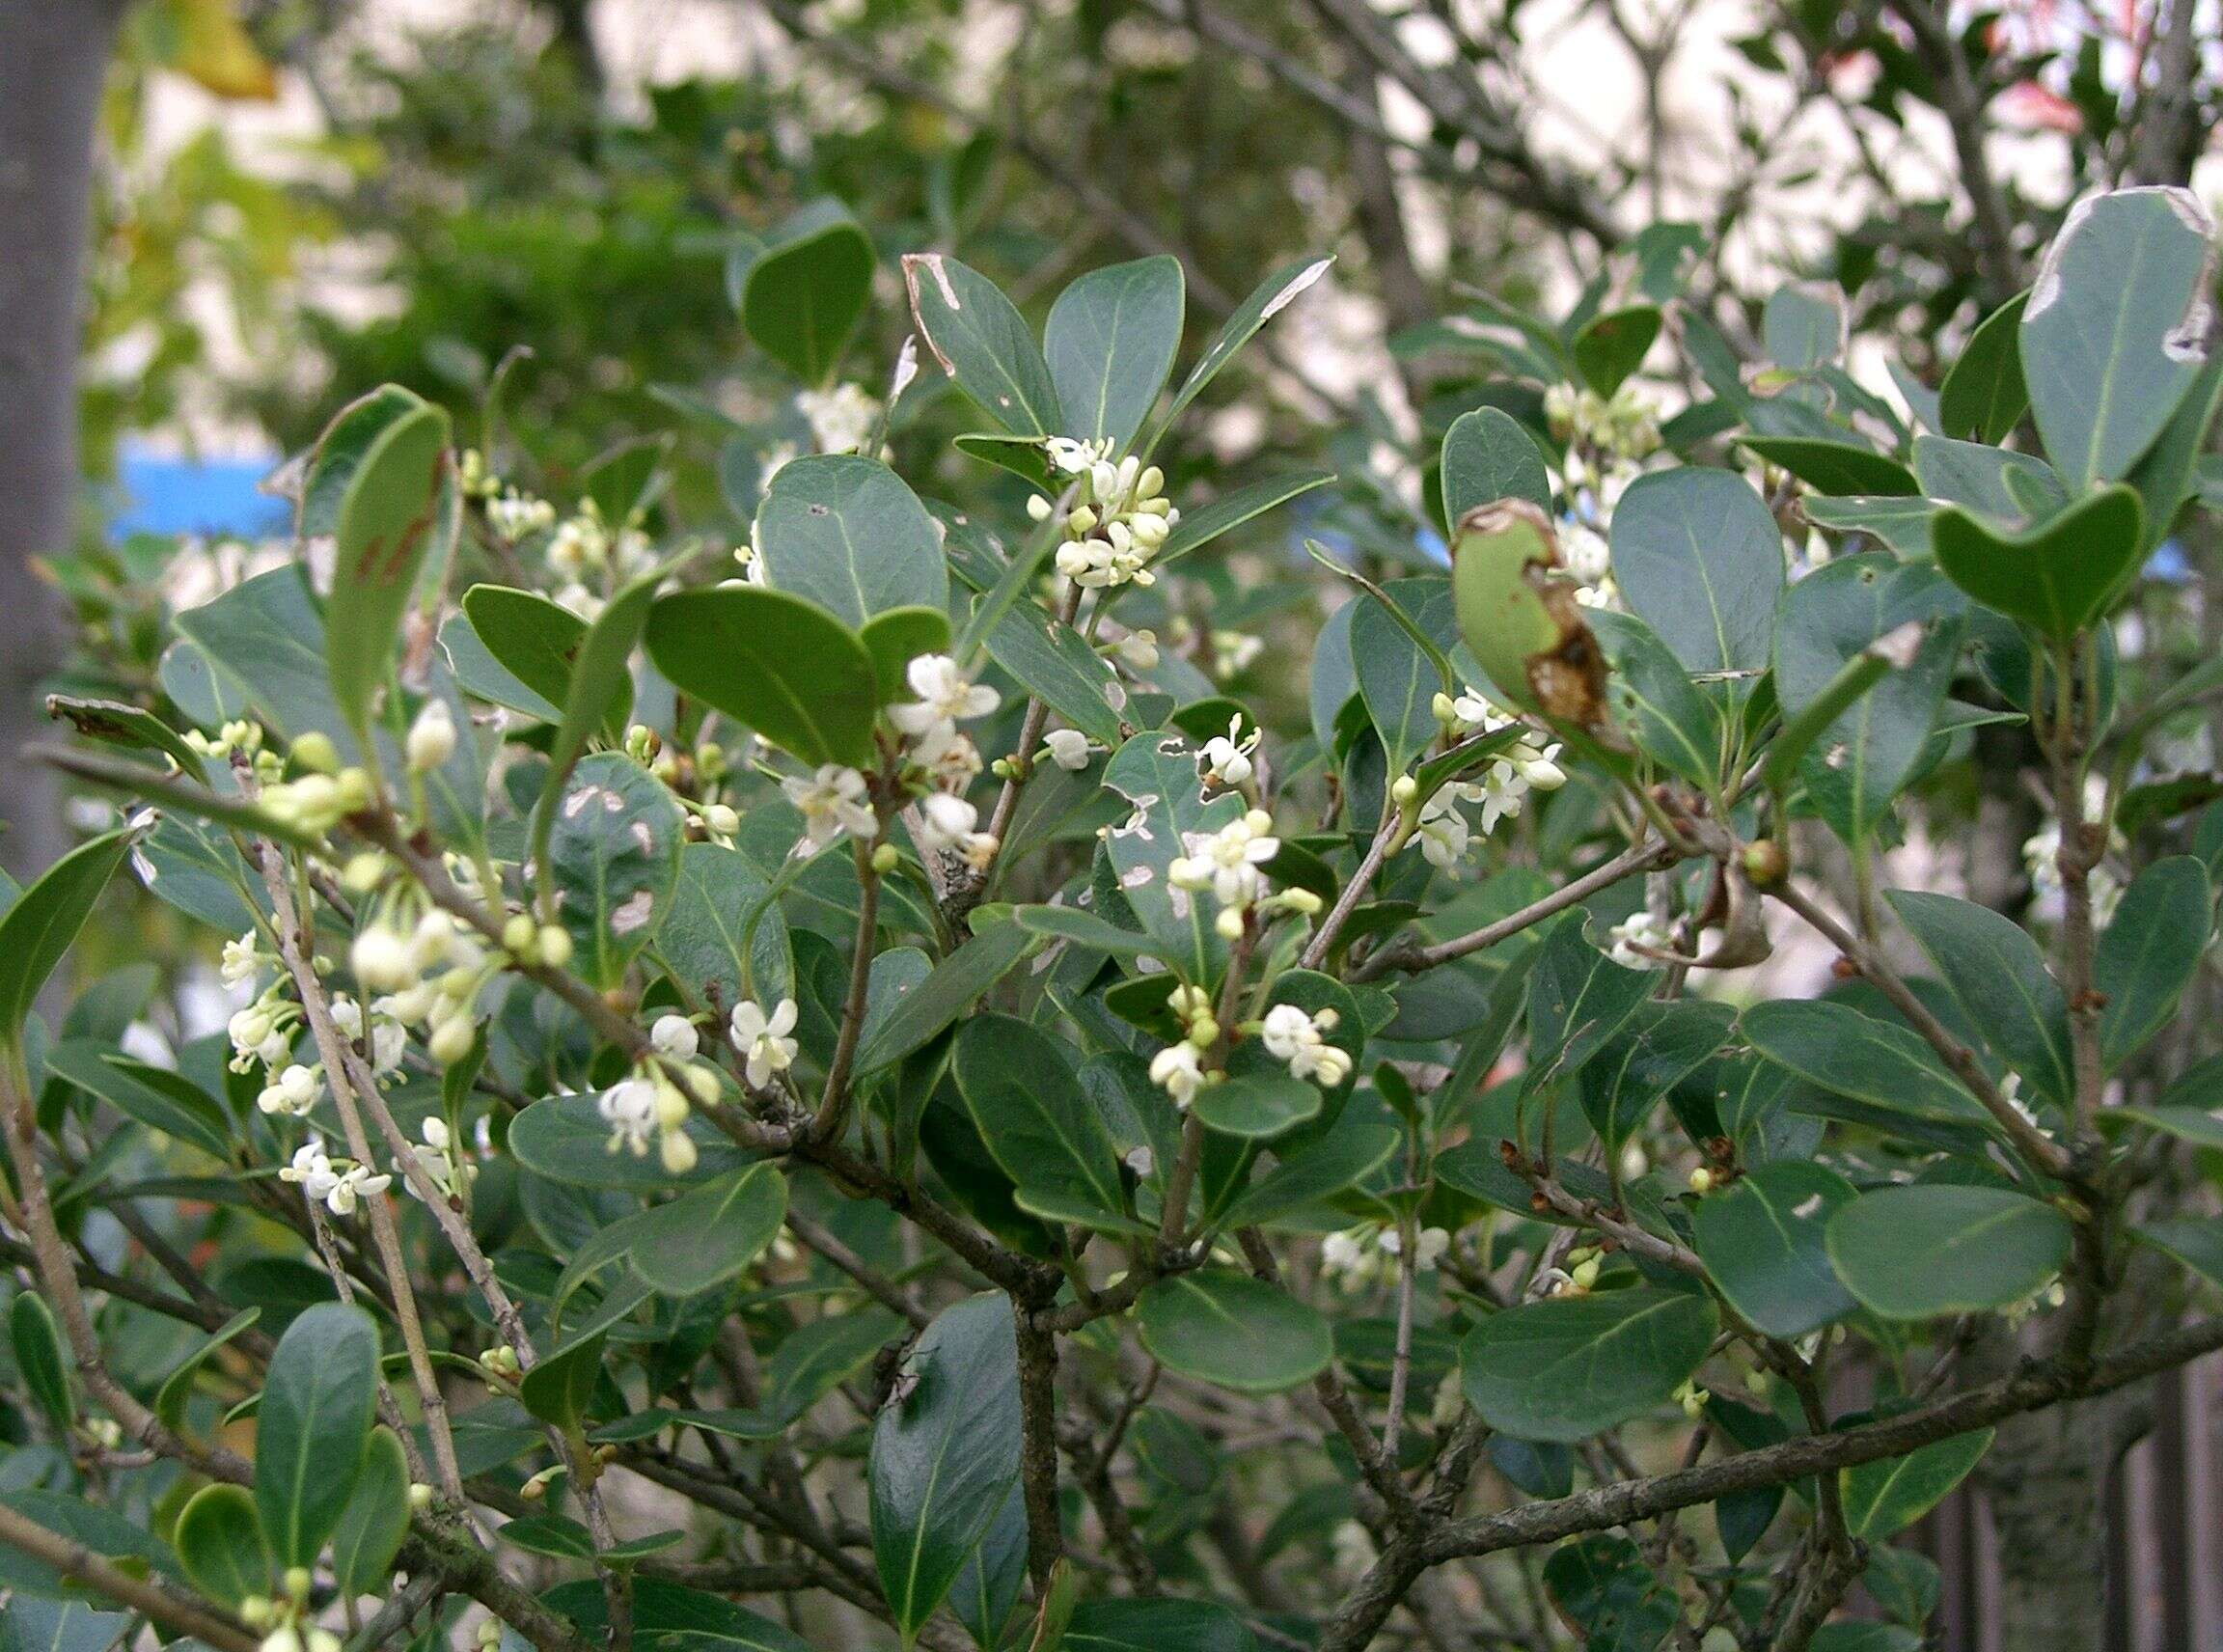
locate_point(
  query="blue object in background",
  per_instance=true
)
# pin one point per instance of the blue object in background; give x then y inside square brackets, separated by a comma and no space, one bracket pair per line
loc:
[213,497]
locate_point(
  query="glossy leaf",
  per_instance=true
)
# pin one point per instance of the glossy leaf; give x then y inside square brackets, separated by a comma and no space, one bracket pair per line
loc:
[1884,1063]
[2114,331]
[1025,1099]
[944,1456]
[703,1238]
[1611,346]
[1399,679]
[313,1426]
[1156,774]
[1489,455]
[1578,999]
[2149,952]
[705,936]
[1993,966]
[41,924]
[1054,663]
[983,343]
[1651,693]
[802,295]
[2058,576]
[1699,557]
[1885,1498]
[849,535]
[220,1547]
[1109,344]
[376,1519]
[1233,1331]
[1916,1252]
[1267,300]
[1984,397]
[40,1364]
[385,526]
[613,858]
[1155,1626]
[1762,1241]
[1835,467]
[774,662]
[1567,1368]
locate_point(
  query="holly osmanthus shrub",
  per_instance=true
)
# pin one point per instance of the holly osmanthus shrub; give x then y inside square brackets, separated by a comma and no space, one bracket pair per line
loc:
[853,1091]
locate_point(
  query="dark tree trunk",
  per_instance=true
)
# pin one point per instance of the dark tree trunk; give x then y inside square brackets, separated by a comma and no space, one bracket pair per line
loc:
[53,54]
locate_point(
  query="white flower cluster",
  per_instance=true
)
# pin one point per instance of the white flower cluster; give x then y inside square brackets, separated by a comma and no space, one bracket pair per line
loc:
[1290,1034]
[1178,1069]
[1360,1256]
[650,1105]
[1625,426]
[842,419]
[337,1184]
[440,1160]
[427,968]
[1118,517]
[1526,765]
[1636,941]
[585,546]
[1230,863]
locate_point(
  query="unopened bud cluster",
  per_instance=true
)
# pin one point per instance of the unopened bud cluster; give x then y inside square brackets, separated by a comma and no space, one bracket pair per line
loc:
[1115,519]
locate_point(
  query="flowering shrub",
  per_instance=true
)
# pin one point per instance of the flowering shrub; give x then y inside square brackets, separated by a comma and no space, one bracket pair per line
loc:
[926,1119]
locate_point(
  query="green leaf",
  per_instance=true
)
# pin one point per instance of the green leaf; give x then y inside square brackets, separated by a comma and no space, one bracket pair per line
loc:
[157,1098]
[385,526]
[39,1361]
[1265,301]
[703,1238]
[2115,328]
[1200,527]
[564,1139]
[1916,1252]
[1700,558]
[560,1386]
[1397,678]
[1969,474]
[1667,717]
[1846,1053]
[1489,455]
[1656,1049]
[948,992]
[1155,1626]
[1344,1155]
[2196,1245]
[1835,467]
[1601,1585]
[1850,610]
[897,638]
[776,663]
[376,1520]
[988,1589]
[1984,398]
[1578,999]
[1611,346]
[944,1456]
[42,922]
[1109,344]
[1025,1097]
[59,1625]
[1156,773]
[1803,327]
[1761,1240]
[1994,971]
[2058,576]
[1567,1368]
[2149,952]
[120,725]
[1257,1104]
[538,644]
[803,294]
[1054,663]
[220,1547]
[1233,1331]
[558,1536]
[313,1426]
[1902,524]
[982,341]
[705,937]
[1884,1497]
[669,1617]
[849,535]
[614,856]
[1083,930]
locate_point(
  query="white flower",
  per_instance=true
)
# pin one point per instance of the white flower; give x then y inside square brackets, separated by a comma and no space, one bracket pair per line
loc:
[763,1039]
[833,802]
[1227,757]
[1067,748]
[1503,790]
[1349,1261]
[629,1109]
[354,1184]
[1070,457]
[1433,1243]
[311,1168]
[383,959]
[945,821]
[1290,1034]
[1179,1072]
[438,1160]
[1632,936]
[431,739]
[674,1038]
[1233,652]
[1227,862]
[946,695]
[241,958]
[1442,831]
[292,1093]
[841,419]
[1137,650]
[515,514]
[950,758]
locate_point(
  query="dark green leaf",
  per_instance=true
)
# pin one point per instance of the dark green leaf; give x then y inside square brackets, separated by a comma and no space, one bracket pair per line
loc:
[386,523]
[1233,1331]
[2059,577]
[982,341]
[1847,1053]
[1489,455]
[1993,969]
[1611,346]
[1886,1496]
[313,1426]
[1155,1626]
[776,663]
[1984,398]
[1699,557]
[1761,1240]
[2149,952]
[1200,527]
[42,922]
[1109,344]
[803,294]
[1026,1101]
[220,1547]
[849,535]
[376,1520]
[1916,1252]
[1567,1368]
[39,1361]
[614,856]
[1265,300]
